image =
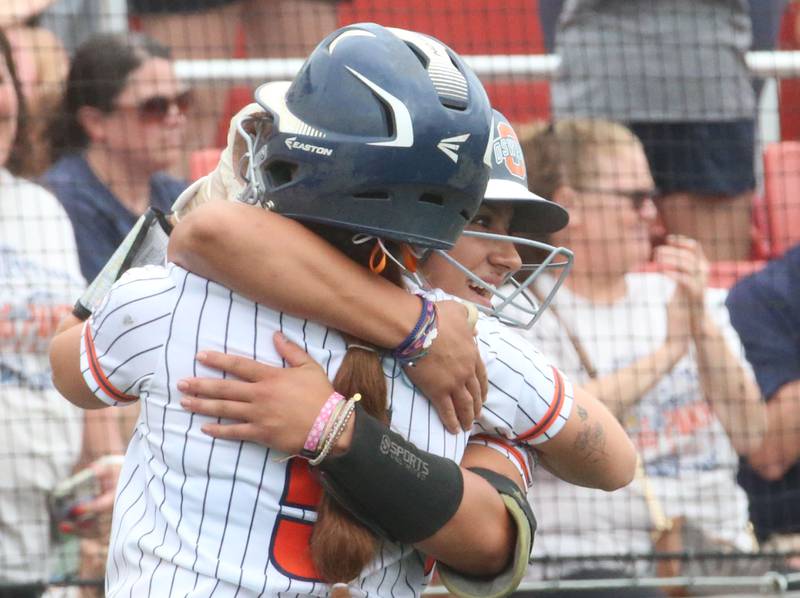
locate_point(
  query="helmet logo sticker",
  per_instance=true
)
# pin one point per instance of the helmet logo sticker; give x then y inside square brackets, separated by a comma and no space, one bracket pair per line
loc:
[348,33]
[451,145]
[404,136]
[293,144]
[508,150]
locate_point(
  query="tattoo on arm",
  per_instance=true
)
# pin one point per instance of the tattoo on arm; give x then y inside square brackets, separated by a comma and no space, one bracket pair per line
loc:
[591,440]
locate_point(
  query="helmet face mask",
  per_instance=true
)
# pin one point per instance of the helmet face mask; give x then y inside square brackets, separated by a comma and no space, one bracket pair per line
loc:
[383,132]
[512,302]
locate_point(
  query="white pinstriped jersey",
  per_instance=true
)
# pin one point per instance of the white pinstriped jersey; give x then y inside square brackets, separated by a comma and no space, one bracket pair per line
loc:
[196,516]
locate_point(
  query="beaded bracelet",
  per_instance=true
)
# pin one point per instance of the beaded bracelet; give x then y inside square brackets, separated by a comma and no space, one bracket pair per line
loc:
[336,430]
[417,344]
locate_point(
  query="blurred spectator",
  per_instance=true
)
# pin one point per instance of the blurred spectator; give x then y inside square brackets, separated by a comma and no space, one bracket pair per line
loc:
[40,434]
[674,70]
[765,16]
[206,29]
[549,11]
[75,21]
[42,68]
[122,122]
[656,347]
[765,310]
[41,65]
[20,12]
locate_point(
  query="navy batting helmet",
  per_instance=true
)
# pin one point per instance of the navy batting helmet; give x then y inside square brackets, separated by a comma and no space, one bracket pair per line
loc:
[383,131]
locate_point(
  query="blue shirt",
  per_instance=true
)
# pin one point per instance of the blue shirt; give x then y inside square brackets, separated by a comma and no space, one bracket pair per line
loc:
[100,221]
[765,310]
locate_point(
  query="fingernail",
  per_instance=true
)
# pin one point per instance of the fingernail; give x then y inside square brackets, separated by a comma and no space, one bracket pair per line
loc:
[280,336]
[202,356]
[77,511]
[65,528]
[182,385]
[185,403]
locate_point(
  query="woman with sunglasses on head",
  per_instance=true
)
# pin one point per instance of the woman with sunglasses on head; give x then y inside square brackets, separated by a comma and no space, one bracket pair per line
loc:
[121,124]
[657,348]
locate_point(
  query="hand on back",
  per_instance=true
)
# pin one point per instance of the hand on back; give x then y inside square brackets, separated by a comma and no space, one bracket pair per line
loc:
[452,374]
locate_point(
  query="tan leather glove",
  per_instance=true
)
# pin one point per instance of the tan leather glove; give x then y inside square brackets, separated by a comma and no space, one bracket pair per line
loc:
[224,181]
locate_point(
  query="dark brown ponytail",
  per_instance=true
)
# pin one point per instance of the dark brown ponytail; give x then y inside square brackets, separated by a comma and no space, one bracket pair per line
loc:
[340,545]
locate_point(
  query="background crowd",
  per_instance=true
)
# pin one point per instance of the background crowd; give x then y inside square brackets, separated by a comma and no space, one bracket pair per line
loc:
[652,146]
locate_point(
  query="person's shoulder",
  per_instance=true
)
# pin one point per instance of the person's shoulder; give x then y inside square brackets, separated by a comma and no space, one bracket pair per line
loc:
[501,342]
[37,197]
[775,278]
[65,169]
[136,285]
[149,275]
[70,179]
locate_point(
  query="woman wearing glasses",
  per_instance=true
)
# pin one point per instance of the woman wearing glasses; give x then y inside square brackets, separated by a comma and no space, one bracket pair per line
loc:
[121,124]
[650,344]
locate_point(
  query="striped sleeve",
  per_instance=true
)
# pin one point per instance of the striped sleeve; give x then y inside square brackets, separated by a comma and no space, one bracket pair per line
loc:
[519,456]
[122,341]
[529,400]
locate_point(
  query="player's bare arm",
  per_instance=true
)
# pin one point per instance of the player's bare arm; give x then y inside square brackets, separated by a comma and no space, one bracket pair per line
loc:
[65,362]
[780,448]
[314,280]
[592,449]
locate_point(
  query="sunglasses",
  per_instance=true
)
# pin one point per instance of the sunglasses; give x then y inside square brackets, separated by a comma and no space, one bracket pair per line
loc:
[637,197]
[156,108]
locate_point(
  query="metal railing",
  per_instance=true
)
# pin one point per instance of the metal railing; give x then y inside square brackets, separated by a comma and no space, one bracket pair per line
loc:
[780,64]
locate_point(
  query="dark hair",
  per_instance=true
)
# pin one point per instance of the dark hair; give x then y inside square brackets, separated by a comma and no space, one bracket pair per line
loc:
[20,149]
[97,75]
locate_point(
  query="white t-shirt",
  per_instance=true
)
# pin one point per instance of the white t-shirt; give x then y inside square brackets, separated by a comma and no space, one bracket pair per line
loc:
[194,515]
[686,453]
[40,432]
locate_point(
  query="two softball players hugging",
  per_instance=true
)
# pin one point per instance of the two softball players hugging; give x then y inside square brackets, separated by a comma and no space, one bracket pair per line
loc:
[294,436]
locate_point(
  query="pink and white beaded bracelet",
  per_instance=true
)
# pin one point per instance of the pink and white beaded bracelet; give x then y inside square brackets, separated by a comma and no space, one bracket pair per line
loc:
[315,433]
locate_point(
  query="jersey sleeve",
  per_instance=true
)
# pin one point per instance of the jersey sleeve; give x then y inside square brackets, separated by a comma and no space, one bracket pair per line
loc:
[519,455]
[529,400]
[123,340]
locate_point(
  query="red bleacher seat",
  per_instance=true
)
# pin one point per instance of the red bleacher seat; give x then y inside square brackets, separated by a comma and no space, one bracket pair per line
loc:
[203,161]
[789,94]
[472,27]
[782,195]
[723,275]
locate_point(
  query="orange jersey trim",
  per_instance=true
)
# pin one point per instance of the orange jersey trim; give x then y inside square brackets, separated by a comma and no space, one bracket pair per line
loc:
[97,372]
[514,451]
[552,412]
